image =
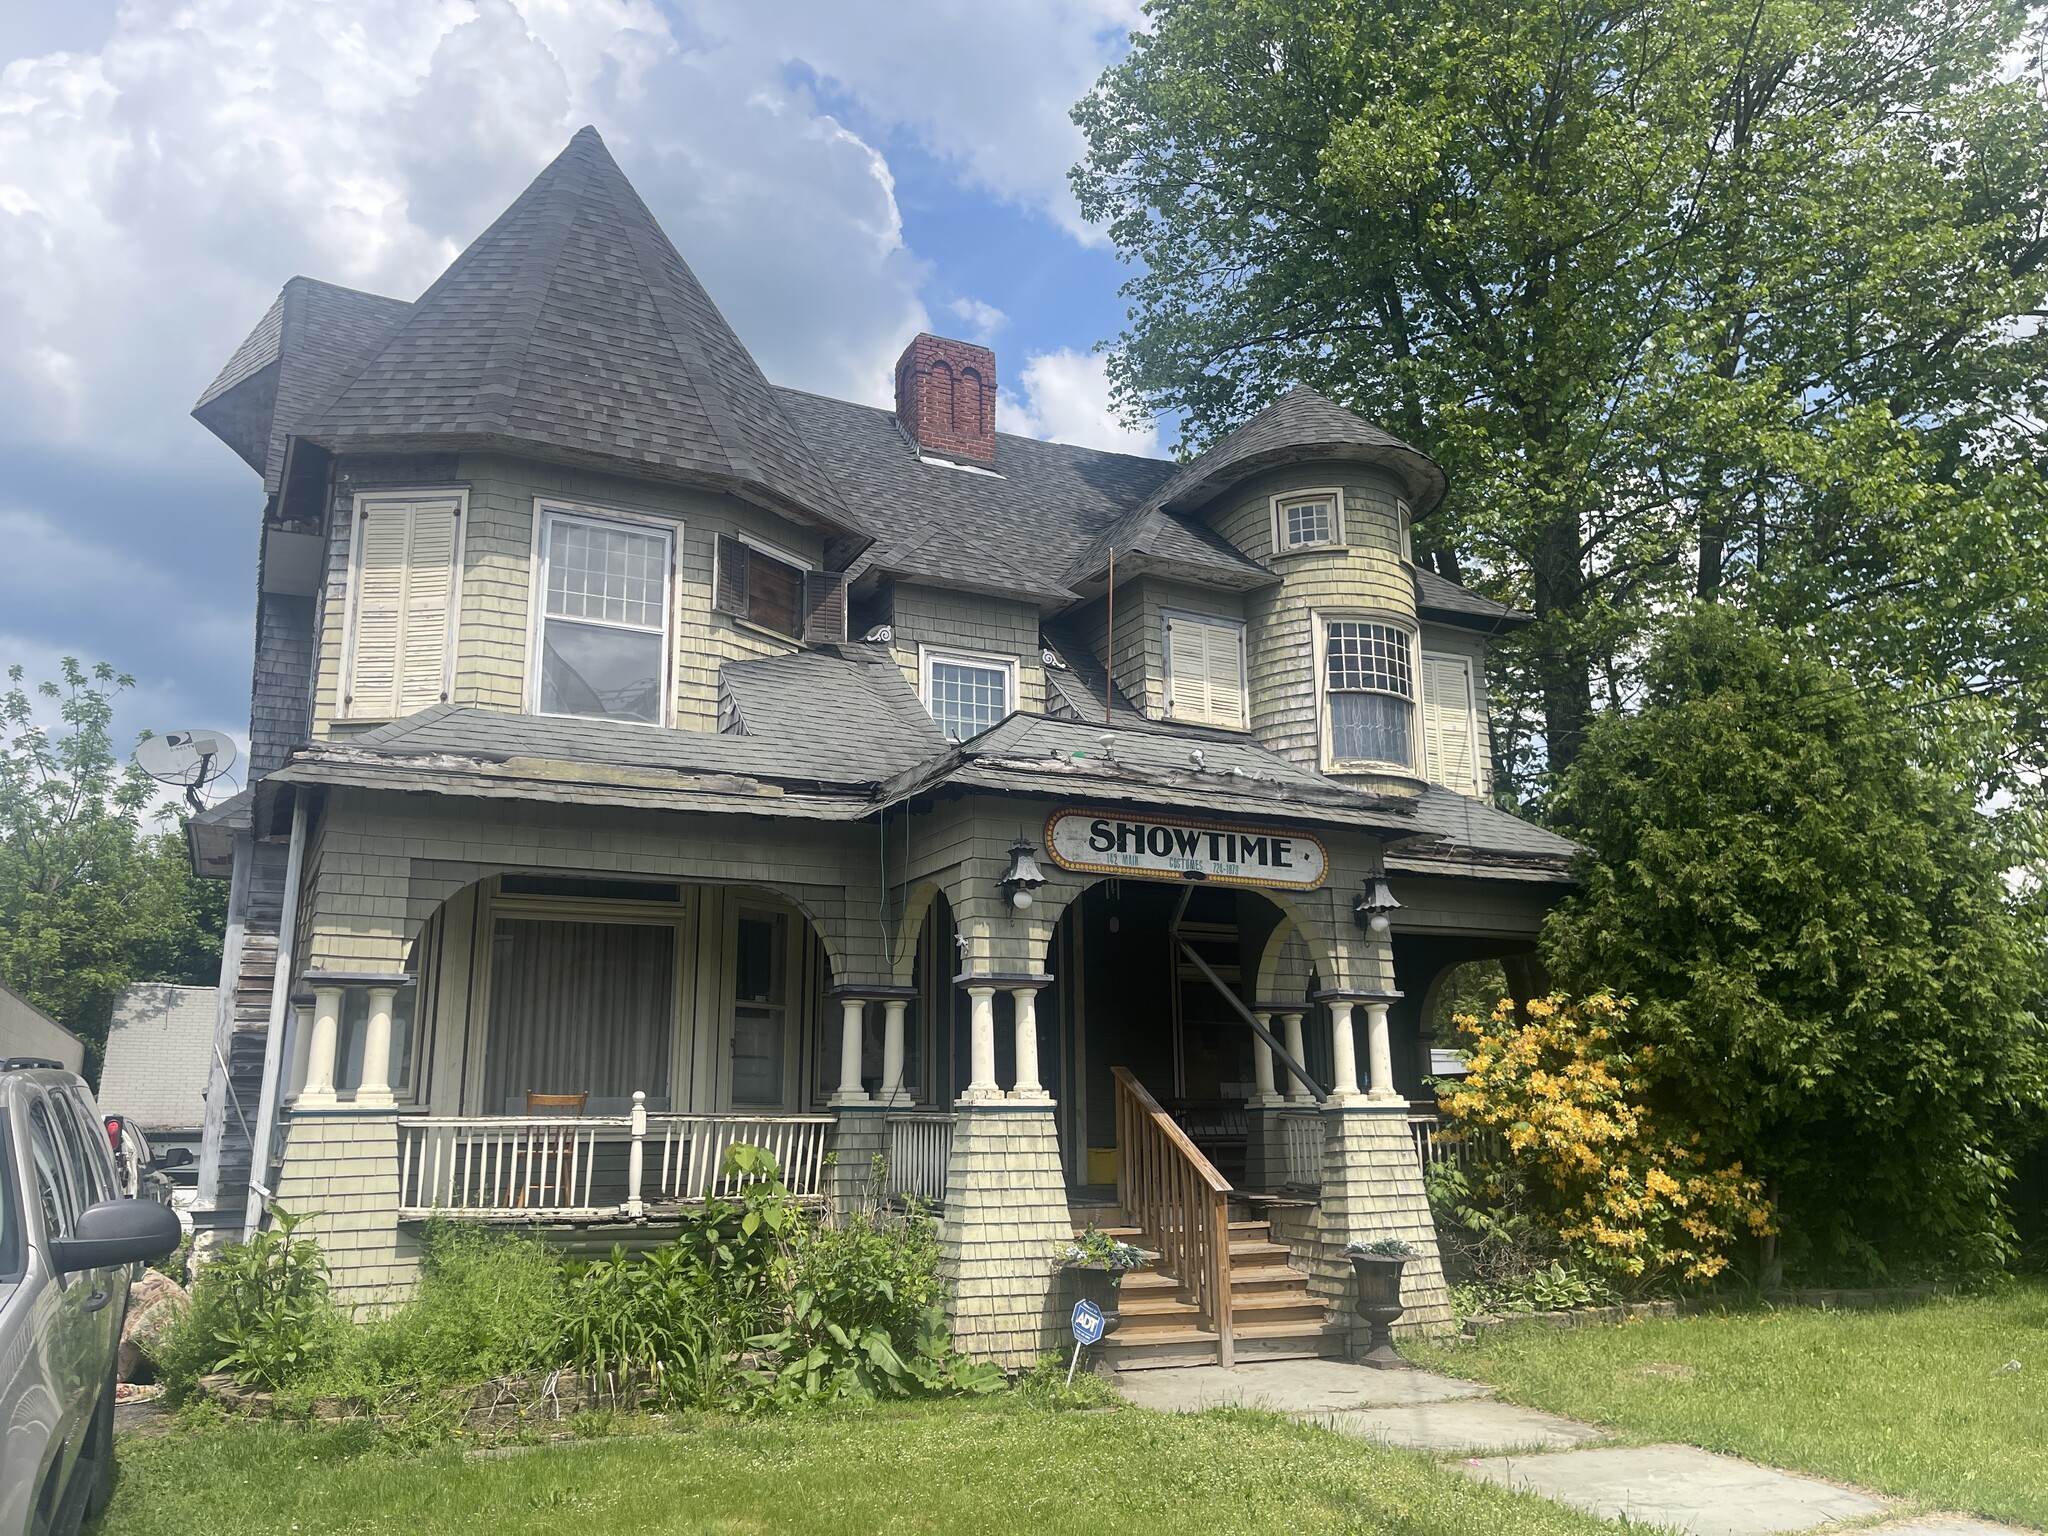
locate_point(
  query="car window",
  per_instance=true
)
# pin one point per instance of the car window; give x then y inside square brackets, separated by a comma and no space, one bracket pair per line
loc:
[10,1207]
[88,1138]
[78,1157]
[52,1190]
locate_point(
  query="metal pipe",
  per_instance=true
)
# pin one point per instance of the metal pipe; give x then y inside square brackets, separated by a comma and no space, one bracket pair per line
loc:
[273,1043]
[1294,1068]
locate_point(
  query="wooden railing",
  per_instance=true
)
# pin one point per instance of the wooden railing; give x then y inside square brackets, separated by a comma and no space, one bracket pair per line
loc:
[920,1147]
[1180,1202]
[594,1166]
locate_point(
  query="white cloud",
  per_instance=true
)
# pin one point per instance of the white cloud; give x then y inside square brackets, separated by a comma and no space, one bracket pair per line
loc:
[1066,400]
[982,320]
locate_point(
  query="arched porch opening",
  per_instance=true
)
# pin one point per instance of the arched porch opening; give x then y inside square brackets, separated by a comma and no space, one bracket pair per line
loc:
[1125,995]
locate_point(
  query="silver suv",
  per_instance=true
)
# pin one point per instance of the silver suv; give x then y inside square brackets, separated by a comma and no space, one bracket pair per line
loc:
[69,1241]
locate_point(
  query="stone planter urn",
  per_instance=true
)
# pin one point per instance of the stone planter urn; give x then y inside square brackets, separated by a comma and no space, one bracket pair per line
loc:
[1098,1283]
[1379,1304]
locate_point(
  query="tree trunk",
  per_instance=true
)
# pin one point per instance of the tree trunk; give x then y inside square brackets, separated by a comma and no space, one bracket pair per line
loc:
[1562,670]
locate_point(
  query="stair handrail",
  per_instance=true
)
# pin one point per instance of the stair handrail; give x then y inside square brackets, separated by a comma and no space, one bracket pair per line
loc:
[1178,1200]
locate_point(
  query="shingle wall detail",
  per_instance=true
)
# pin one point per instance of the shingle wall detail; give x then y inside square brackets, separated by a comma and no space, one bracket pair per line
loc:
[341,1173]
[1006,1206]
[966,621]
[1372,1189]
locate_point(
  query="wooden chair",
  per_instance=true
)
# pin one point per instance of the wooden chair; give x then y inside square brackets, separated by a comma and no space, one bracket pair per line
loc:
[551,1153]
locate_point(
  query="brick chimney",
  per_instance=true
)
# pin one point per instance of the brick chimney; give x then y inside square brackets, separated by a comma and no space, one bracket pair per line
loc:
[946,398]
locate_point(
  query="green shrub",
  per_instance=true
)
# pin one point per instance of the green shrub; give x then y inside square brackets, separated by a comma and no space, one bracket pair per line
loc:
[260,1310]
[487,1304]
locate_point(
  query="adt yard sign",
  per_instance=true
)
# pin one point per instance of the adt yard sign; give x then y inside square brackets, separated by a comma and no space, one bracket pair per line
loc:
[1087,1323]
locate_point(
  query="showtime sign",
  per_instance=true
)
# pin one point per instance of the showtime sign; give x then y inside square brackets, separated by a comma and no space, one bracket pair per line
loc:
[1096,842]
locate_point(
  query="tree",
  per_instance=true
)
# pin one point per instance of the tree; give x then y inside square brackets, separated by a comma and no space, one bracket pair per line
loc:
[1834,984]
[1690,299]
[90,897]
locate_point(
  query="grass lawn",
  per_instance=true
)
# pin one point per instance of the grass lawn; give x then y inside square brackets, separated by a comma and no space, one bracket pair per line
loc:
[1913,1402]
[987,1468]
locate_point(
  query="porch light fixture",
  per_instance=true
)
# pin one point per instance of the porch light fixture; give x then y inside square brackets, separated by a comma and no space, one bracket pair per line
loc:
[1022,877]
[1372,907]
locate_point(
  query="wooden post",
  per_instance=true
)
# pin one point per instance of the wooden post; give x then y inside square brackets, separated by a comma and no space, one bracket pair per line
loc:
[1226,1341]
[636,1158]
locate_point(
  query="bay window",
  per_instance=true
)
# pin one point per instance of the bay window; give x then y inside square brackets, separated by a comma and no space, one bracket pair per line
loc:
[1369,685]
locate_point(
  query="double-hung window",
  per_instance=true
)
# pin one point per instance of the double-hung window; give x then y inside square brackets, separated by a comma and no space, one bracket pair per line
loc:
[1306,519]
[1205,670]
[968,694]
[604,644]
[1369,685]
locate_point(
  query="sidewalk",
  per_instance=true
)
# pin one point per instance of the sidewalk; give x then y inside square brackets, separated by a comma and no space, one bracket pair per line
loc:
[1676,1486]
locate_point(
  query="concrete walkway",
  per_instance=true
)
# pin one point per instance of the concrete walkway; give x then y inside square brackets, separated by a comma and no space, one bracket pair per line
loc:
[1679,1487]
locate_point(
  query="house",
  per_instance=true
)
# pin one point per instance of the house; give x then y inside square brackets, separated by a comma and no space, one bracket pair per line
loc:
[28,1032]
[646,758]
[158,1064]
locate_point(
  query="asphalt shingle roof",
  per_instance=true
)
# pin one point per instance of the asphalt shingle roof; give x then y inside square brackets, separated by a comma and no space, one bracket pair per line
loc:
[572,325]
[1437,598]
[159,1053]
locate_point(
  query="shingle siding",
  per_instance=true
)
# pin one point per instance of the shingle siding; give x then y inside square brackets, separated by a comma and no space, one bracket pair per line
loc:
[281,690]
[955,621]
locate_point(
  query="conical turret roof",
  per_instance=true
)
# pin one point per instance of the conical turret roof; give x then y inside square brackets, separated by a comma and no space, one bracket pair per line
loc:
[572,325]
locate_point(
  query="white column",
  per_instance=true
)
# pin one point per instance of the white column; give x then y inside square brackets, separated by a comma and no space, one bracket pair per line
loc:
[892,1050]
[1344,1072]
[1297,1091]
[1262,1069]
[1379,1053]
[981,1056]
[302,1046]
[319,1087]
[852,1010]
[375,1089]
[1028,1085]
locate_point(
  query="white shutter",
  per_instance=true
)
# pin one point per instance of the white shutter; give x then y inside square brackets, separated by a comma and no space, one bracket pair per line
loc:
[404,593]
[1449,732]
[1226,675]
[429,599]
[1187,670]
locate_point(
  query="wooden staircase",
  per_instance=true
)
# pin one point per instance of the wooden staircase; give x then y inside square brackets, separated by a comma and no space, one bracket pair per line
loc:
[1220,1289]
[1273,1314]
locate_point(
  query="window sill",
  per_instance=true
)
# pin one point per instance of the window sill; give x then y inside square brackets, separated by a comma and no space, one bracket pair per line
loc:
[763,630]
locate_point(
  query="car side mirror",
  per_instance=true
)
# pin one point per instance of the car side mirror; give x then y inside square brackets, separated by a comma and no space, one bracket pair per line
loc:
[117,1232]
[176,1157]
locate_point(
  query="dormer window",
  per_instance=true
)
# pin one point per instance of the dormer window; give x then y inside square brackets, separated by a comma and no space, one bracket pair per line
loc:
[966,693]
[1369,683]
[1307,520]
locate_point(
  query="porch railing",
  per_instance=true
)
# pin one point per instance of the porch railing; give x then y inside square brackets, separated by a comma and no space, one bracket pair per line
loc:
[1301,1145]
[920,1146]
[1435,1146]
[1178,1200]
[594,1166]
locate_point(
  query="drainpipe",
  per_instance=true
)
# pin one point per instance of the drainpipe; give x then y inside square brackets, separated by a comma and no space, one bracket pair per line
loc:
[273,1042]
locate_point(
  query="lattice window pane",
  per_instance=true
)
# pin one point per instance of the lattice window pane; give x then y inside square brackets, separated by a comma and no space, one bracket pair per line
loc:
[1369,658]
[1308,522]
[612,575]
[967,699]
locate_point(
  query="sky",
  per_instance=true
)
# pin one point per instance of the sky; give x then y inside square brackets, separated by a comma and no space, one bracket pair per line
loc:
[840,176]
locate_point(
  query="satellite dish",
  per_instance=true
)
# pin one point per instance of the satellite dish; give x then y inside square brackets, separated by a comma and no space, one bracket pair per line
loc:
[190,759]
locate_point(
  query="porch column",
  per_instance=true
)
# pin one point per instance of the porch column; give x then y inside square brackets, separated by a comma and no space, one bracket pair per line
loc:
[1344,1071]
[1028,1086]
[1297,1093]
[852,1011]
[319,1087]
[892,1049]
[375,1088]
[302,1044]
[1262,1069]
[1379,1053]
[981,1056]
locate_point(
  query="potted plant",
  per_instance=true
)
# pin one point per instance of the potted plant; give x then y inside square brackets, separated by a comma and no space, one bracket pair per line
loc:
[1098,1263]
[1377,1267]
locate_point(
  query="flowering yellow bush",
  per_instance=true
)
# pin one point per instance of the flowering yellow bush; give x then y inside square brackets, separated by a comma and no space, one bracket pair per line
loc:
[1556,1113]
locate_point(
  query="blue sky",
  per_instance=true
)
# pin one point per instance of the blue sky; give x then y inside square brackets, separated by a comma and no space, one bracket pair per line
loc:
[840,177]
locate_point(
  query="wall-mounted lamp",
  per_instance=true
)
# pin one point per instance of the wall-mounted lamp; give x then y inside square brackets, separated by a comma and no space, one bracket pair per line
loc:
[1022,877]
[1372,907]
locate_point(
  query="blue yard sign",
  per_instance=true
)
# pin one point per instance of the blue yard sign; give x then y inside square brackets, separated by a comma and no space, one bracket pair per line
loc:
[1087,1323]
[1087,1330]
